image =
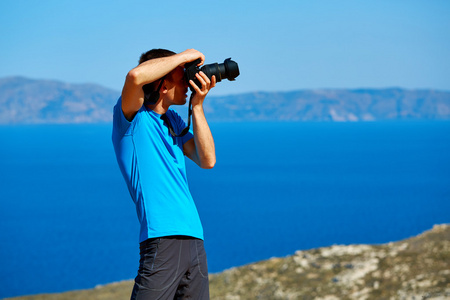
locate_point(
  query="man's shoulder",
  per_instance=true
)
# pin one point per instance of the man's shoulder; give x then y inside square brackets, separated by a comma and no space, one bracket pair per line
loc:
[123,126]
[172,114]
[119,115]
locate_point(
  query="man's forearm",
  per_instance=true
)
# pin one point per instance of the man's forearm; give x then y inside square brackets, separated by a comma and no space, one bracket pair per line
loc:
[153,69]
[150,71]
[204,142]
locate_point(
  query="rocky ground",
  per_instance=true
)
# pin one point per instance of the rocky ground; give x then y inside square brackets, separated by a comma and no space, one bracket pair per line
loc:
[416,268]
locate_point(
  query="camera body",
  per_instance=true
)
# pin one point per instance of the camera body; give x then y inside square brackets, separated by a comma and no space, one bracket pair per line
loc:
[227,70]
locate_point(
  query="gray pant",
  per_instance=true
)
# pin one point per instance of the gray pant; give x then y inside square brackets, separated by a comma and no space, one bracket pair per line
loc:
[172,267]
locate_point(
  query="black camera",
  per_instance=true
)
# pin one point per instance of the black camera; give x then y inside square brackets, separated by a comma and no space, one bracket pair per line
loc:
[228,70]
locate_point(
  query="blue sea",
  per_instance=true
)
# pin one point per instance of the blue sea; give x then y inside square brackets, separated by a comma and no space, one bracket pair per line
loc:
[67,221]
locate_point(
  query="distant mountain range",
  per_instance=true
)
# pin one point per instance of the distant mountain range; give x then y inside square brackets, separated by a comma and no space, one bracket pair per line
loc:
[30,101]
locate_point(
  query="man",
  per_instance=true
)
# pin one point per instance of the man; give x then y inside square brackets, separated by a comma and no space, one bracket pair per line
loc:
[151,159]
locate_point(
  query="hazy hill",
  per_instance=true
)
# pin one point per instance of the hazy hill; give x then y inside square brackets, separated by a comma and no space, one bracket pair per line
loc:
[415,268]
[333,105]
[29,101]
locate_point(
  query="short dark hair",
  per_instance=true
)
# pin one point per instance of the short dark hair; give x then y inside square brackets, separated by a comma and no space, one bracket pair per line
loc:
[155,53]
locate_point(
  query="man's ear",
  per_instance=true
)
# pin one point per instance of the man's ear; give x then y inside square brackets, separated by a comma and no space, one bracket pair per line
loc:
[167,85]
[164,89]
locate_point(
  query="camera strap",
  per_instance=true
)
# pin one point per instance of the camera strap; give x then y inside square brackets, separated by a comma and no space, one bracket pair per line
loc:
[186,129]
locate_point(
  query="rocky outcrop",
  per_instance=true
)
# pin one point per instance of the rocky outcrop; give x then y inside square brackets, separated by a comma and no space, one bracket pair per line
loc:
[415,268]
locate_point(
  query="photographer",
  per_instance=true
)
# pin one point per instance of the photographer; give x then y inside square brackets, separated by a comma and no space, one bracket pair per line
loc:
[150,146]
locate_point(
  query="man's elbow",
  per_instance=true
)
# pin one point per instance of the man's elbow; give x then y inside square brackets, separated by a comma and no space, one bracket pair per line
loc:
[209,164]
[133,77]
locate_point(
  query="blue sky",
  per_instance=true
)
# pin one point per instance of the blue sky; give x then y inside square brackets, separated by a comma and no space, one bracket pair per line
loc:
[279,45]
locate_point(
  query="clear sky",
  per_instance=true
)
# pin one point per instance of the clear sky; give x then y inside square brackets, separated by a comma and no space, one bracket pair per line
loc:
[279,45]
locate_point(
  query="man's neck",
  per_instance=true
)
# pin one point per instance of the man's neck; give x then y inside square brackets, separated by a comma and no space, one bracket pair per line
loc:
[158,108]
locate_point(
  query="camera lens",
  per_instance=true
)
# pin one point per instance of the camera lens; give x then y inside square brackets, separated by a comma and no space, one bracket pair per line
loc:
[228,70]
[213,69]
[232,69]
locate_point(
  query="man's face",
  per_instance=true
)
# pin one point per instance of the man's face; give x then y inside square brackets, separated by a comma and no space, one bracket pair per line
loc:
[177,87]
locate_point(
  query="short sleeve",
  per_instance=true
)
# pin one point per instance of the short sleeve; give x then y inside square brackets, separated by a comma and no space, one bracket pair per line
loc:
[120,123]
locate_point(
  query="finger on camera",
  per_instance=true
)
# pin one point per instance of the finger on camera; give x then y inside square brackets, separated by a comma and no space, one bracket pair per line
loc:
[202,76]
[203,83]
[192,83]
[196,88]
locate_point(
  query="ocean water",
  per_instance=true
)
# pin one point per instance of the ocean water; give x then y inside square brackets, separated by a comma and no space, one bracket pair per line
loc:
[67,221]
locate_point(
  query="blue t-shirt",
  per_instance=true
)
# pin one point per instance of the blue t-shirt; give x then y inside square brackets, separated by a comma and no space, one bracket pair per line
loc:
[153,165]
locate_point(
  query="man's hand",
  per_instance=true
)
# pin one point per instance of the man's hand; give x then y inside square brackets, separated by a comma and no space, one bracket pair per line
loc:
[191,55]
[200,93]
